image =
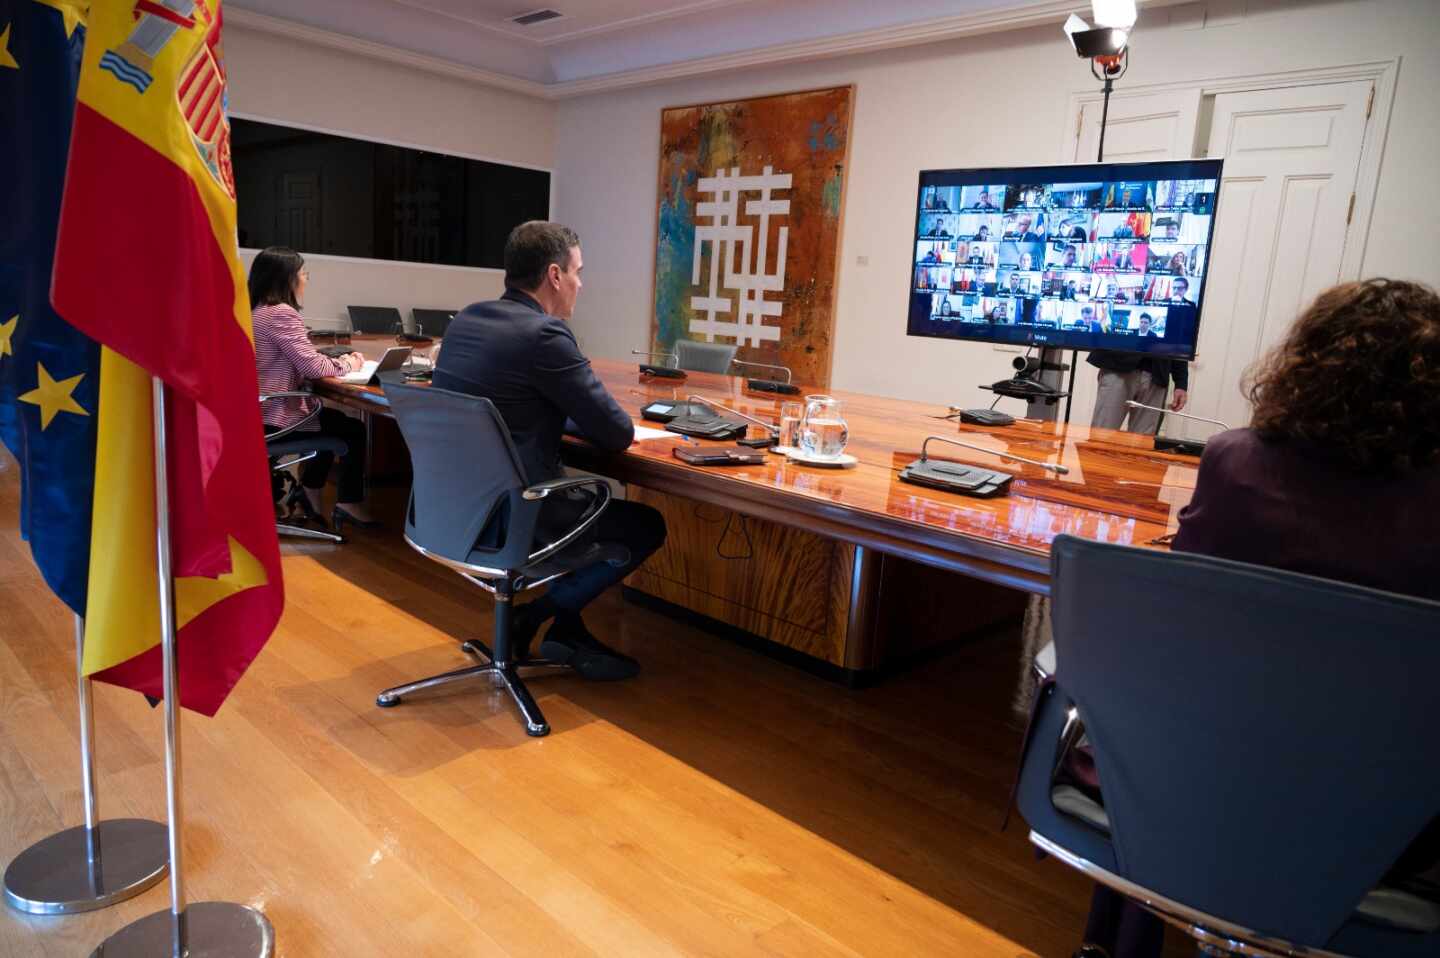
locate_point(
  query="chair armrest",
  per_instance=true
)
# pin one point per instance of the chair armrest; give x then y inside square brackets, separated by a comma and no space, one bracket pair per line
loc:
[602,499]
[290,394]
[542,489]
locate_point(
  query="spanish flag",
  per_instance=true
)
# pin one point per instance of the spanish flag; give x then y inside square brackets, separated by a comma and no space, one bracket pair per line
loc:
[147,264]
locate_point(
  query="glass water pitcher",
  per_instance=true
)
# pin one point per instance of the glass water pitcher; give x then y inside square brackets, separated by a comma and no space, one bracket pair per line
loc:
[823,432]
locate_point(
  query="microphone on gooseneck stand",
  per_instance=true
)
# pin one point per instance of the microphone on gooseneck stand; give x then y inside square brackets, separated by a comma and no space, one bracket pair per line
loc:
[1054,467]
[1184,447]
[665,372]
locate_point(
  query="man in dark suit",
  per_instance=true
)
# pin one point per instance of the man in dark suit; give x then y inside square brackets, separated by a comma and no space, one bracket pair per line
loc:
[519,353]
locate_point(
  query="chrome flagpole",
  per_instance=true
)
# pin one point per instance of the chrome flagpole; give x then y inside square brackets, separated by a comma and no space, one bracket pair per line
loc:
[212,929]
[91,865]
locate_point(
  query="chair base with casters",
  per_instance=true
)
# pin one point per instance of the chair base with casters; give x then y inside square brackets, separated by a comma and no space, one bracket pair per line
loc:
[499,662]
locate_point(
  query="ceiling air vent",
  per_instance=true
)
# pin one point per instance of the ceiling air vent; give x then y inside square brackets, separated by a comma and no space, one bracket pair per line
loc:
[536,16]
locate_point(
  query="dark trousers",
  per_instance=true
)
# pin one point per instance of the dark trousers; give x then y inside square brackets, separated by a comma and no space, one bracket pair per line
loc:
[639,528]
[351,485]
[1123,928]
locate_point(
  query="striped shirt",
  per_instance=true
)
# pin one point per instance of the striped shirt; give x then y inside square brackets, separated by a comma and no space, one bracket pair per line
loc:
[285,360]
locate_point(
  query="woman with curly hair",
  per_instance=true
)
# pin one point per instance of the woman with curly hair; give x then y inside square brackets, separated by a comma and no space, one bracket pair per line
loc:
[1336,476]
[1341,461]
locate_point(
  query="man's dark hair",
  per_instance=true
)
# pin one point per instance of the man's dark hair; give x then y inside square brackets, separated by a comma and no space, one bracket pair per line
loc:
[272,277]
[530,250]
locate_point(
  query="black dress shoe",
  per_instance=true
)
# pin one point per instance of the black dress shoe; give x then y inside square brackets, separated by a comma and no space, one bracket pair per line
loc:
[570,643]
[341,515]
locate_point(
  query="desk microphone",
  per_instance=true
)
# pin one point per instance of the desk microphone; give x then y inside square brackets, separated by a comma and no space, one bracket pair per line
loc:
[1170,412]
[785,369]
[1052,466]
[774,430]
[666,372]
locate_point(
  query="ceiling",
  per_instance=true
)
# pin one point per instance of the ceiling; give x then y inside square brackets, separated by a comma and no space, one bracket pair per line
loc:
[607,44]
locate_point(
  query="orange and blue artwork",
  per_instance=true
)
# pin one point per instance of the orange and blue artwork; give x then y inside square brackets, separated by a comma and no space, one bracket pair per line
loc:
[751,201]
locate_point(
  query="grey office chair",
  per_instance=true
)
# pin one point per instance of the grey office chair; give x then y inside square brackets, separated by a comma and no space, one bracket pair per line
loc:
[1264,743]
[473,511]
[287,448]
[703,357]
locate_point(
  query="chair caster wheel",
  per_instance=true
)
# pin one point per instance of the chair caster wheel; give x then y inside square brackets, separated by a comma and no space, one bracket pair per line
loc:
[387,701]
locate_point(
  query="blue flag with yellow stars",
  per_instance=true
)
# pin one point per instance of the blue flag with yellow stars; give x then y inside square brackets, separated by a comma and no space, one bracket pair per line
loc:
[49,372]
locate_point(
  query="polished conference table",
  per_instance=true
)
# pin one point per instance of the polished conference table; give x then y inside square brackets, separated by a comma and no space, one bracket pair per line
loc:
[1118,489]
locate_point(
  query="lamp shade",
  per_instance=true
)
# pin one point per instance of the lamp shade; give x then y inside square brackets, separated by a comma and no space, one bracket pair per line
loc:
[1119,14]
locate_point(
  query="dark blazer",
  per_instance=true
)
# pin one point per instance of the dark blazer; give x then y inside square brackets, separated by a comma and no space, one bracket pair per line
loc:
[1161,370]
[530,366]
[1288,506]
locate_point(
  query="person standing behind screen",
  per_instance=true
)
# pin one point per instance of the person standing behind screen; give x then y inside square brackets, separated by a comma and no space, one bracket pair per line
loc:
[1123,377]
[518,352]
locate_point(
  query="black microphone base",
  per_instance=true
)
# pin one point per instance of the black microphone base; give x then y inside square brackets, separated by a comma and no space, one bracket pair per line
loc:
[1181,447]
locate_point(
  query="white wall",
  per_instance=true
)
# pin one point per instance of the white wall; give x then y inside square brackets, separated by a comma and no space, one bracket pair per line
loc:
[288,81]
[985,101]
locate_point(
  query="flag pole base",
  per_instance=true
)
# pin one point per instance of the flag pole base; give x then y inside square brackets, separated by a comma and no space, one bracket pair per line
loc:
[57,876]
[213,929]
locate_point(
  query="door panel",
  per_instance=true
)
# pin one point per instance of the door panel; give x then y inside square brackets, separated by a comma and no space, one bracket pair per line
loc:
[1291,160]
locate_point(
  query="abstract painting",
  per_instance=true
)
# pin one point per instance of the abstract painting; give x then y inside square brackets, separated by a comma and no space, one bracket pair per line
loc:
[751,201]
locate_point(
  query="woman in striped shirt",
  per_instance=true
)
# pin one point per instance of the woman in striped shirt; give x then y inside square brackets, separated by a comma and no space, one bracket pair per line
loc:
[286,361]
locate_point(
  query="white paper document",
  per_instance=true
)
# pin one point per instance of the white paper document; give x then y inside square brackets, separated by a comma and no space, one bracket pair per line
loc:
[643,433]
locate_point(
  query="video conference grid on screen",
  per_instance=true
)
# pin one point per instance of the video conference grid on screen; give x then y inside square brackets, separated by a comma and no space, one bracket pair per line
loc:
[1108,256]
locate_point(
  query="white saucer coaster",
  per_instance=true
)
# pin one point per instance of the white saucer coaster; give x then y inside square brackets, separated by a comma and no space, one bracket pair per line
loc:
[842,461]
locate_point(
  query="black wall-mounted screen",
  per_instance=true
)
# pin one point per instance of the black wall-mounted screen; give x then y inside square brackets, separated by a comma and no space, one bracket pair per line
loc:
[1103,256]
[321,193]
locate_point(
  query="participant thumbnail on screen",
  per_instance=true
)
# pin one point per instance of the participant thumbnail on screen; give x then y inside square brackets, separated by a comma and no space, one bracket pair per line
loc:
[1132,225]
[1136,195]
[1193,196]
[1024,227]
[1078,196]
[943,199]
[1118,256]
[1027,196]
[1176,259]
[979,226]
[982,197]
[1026,256]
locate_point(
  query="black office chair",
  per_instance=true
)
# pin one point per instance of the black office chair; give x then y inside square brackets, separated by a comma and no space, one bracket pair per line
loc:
[473,510]
[376,320]
[286,448]
[704,357]
[1264,746]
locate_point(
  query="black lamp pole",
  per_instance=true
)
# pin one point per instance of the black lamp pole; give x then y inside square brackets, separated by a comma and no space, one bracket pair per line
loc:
[1110,72]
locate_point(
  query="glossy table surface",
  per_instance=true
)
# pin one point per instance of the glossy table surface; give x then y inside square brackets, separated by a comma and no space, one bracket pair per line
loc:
[1118,489]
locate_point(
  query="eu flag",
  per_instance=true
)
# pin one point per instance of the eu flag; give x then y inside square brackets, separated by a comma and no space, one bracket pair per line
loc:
[49,371]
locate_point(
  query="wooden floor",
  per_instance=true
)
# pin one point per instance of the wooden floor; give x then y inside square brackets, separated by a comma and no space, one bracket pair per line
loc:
[720,804]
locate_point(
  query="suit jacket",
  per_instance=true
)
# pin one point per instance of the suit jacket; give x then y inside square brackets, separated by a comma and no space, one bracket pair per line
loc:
[530,366]
[1161,370]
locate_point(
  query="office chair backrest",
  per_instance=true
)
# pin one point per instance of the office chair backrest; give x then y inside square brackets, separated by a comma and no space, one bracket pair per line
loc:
[704,357]
[1265,740]
[466,474]
[431,322]
[384,320]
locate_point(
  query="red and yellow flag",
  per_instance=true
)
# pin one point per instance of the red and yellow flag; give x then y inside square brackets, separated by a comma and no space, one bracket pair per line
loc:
[147,264]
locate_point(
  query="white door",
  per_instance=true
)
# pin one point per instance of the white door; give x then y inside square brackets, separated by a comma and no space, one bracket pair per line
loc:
[1154,126]
[1292,157]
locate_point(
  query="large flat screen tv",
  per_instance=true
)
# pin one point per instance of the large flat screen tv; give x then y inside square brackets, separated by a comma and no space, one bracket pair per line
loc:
[1102,256]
